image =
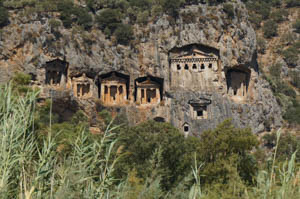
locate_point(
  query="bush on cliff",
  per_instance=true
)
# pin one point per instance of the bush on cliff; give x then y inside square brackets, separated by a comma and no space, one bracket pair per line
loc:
[124,34]
[270,29]
[290,55]
[3,16]
[296,26]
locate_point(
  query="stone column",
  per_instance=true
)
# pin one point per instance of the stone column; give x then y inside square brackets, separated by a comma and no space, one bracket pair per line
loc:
[145,96]
[118,94]
[108,95]
[102,93]
[157,95]
[138,95]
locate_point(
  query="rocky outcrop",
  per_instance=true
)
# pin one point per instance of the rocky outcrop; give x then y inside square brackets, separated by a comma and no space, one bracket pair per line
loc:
[28,44]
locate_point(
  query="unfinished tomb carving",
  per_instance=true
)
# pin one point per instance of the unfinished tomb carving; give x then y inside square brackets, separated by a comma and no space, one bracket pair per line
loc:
[238,82]
[193,64]
[114,88]
[83,86]
[56,72]
[200,108]
[148,90]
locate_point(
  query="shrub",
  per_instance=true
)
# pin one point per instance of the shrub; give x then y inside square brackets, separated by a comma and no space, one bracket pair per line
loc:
[3,16]
[295,78]
[296,26]
[270,29]
[255,19]
[261,45]
[279,15]
[229,9]
[290,55]
[54,23]
[292,115]
[292,3]
[171,7]
[84,19]
[124,34]
[108,21]
[140,143]
[275,70]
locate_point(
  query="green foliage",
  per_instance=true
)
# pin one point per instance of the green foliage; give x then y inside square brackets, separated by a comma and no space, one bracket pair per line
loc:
[229,9]
[255,19]
[124,34]
[261,45]
[109,18]
[292,3]
[270,29]
[295,78]
[3,16]
[226,148]
[21,82]
[139,144]
[292,115]
[296,26]
[275,70]
[287,145]
[279,15]
[171,7]
[84,19]
[290,55]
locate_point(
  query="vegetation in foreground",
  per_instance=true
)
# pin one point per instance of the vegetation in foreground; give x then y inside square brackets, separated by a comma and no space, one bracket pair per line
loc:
[44,158]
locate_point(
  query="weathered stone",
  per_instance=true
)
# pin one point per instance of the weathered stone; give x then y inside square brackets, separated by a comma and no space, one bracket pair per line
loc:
[30,45]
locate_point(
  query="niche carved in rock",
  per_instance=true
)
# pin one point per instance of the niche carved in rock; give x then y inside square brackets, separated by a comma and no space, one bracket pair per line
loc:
[56,72]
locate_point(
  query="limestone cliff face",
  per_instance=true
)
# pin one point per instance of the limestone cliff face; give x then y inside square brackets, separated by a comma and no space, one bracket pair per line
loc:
[160,75]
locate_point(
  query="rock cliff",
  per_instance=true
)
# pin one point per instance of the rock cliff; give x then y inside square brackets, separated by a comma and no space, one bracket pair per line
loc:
[193,71]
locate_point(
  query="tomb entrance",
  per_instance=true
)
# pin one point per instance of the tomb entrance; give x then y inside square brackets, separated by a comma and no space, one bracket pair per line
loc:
[186,129]
[199,108]
[56,72]
[238,82]
[114,88]
[148,90]
[82,86]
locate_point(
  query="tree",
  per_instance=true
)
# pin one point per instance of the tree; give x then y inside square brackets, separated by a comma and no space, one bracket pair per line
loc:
[226,148]
[109,18]
[139,143]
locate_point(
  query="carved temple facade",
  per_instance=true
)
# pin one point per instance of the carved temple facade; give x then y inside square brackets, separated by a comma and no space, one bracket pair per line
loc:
[56,73]
[83,86]
[114,89]
[147,91]
[192,64]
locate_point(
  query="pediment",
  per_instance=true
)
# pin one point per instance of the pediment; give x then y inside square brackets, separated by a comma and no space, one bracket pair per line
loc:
[194,54]
[199,102]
